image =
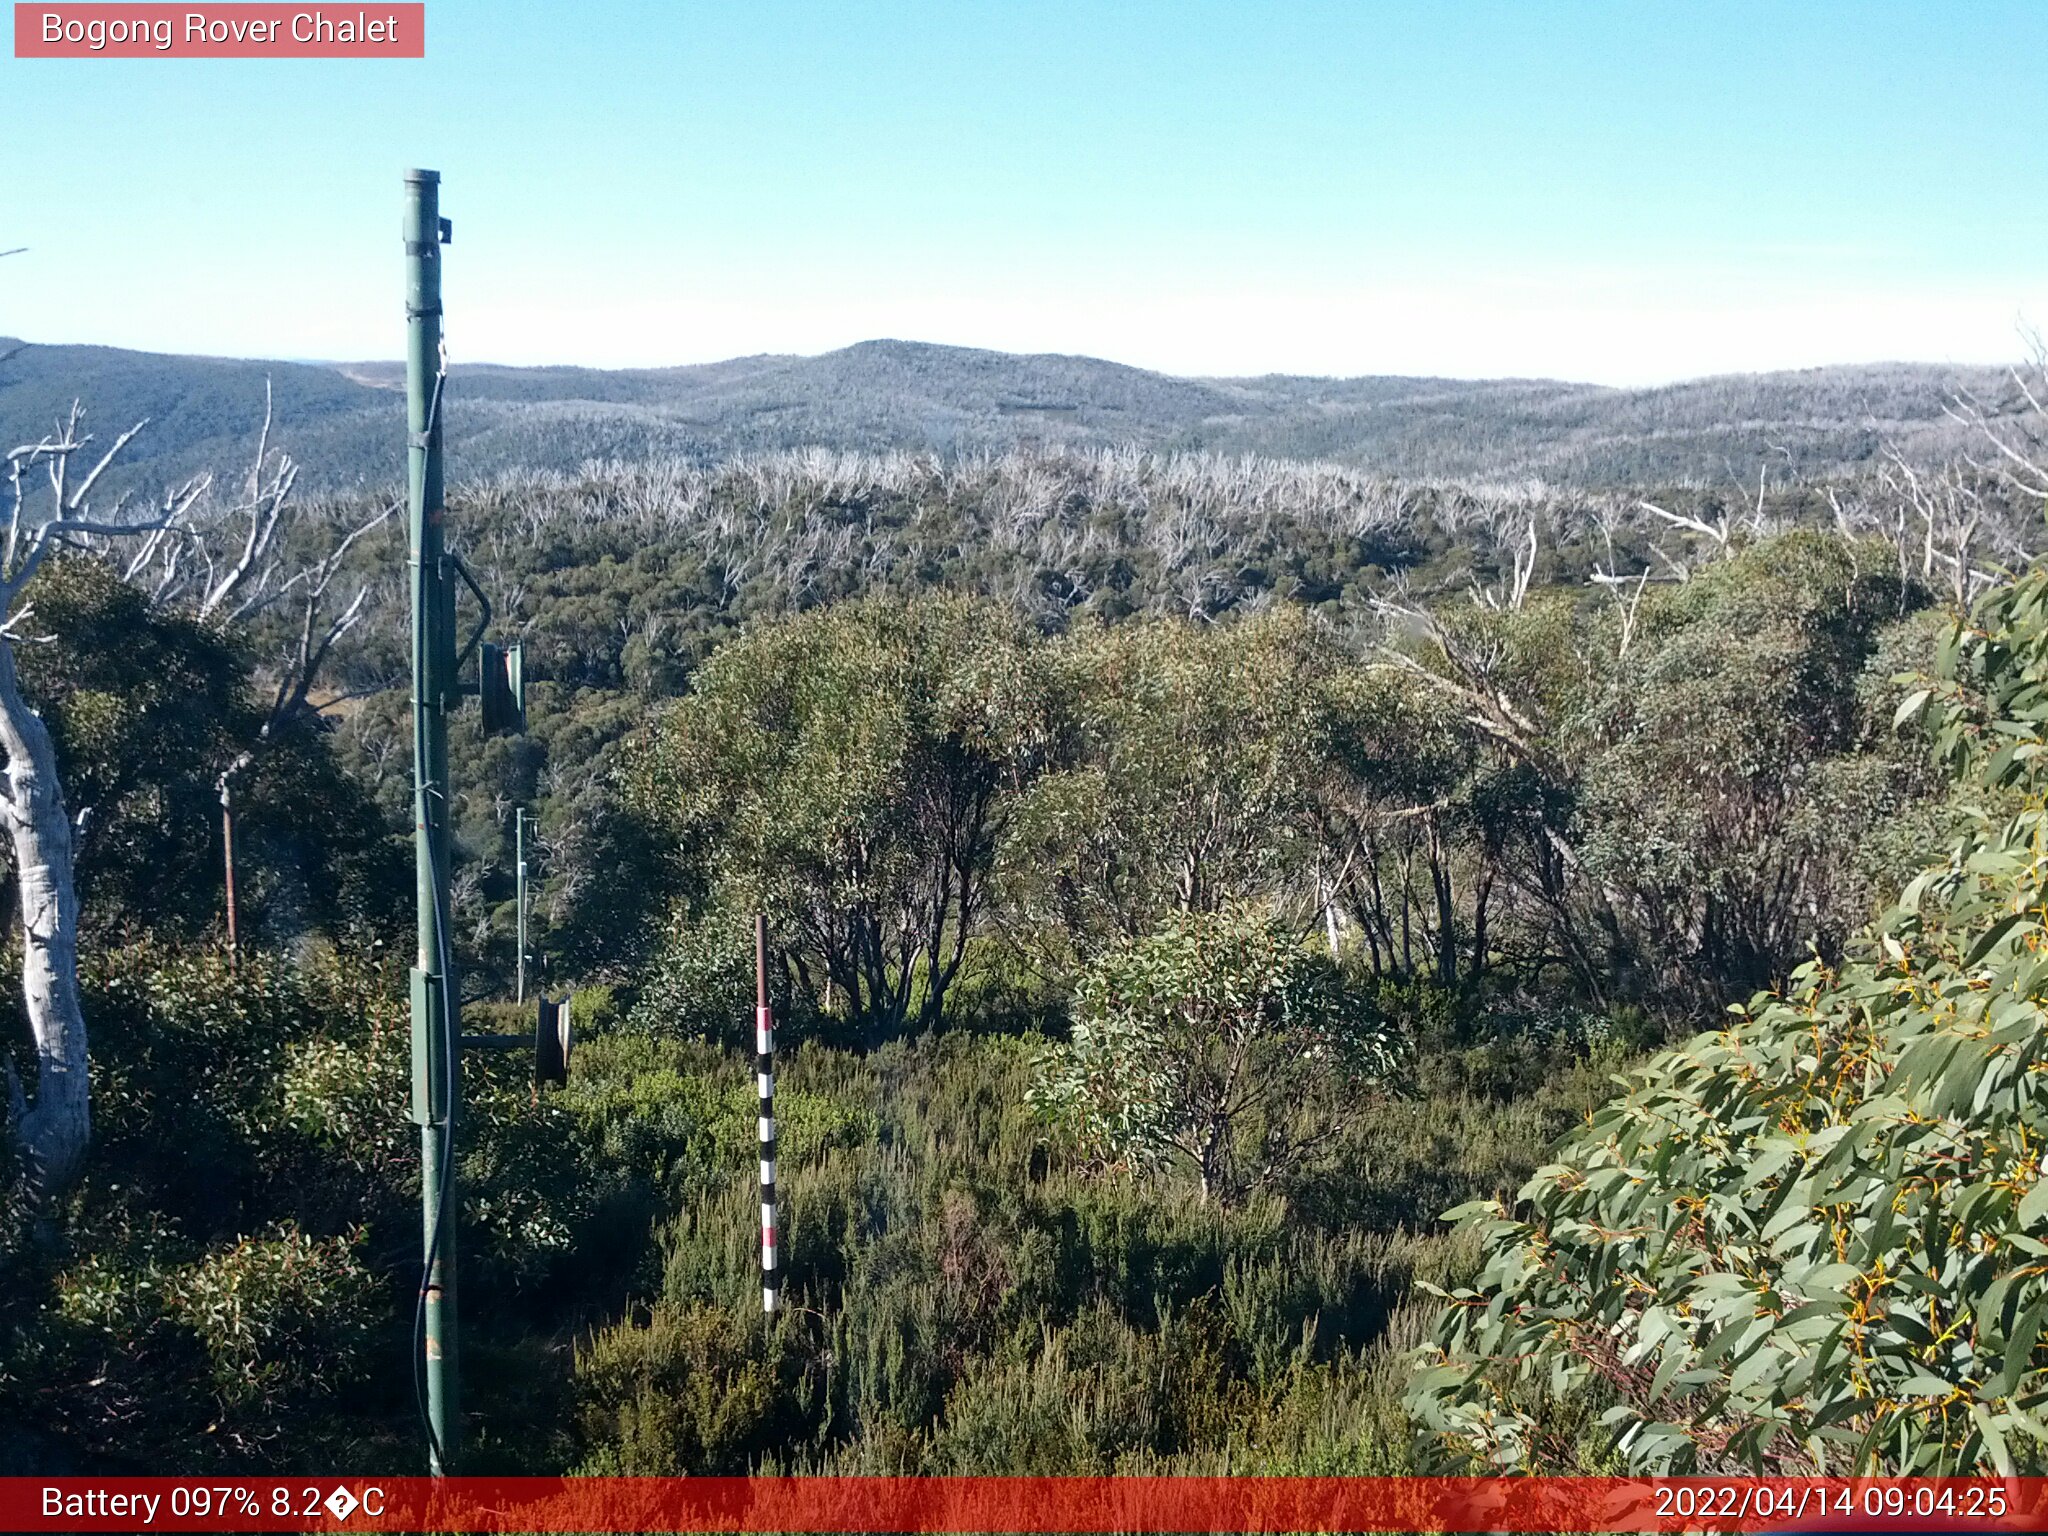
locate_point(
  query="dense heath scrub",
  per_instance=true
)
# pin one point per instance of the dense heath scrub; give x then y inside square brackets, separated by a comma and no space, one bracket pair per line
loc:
[962,1296]
[1084,795]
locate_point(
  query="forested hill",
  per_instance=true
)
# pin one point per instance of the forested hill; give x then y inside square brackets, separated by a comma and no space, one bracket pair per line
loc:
[341,421]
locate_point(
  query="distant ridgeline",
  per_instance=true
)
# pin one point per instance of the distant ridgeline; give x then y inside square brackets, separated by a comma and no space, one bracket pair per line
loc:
[339,420]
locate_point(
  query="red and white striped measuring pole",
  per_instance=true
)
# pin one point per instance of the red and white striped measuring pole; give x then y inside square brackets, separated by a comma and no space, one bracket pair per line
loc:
[764,1076]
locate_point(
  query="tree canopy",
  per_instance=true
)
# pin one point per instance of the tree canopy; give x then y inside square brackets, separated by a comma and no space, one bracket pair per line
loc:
[1812,1240]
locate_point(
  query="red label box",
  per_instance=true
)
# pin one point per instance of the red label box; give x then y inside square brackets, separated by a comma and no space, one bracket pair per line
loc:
[372,30]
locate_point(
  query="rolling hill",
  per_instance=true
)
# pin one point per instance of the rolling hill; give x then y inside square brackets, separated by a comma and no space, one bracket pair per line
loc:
[342,420]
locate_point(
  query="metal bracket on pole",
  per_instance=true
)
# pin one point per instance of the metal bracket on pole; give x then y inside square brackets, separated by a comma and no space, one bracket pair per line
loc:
[483,620]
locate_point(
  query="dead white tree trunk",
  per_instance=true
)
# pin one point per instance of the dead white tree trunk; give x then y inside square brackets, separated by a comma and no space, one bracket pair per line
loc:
[51,1133]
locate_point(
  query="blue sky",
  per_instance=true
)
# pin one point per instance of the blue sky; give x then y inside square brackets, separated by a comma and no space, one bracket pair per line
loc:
[1619,192]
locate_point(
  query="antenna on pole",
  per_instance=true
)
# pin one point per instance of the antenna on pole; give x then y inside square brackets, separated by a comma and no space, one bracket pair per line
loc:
[764,1076]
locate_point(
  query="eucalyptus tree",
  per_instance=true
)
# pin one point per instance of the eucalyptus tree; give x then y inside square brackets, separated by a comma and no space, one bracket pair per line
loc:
[1219,1047]
[1189,760]
[1672,792]
[1407,856]
[51,1130]
[1726,768]
[850,771]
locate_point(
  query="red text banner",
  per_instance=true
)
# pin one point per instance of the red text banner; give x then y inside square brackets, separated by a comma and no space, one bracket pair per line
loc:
[234,31]
[1033,1504]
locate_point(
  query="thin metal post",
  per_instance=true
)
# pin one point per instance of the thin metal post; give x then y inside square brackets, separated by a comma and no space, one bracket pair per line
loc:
[227,842]
[764,1077]
[436,1009]
[519,844]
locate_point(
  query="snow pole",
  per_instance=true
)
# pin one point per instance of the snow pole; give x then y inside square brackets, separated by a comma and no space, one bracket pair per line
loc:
[764,1077]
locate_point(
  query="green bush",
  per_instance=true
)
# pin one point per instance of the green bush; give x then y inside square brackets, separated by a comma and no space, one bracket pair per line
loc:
[696,1390]
[701,985]
[282,1315]
[1220,1047]
[594,1010]
[1810,1241]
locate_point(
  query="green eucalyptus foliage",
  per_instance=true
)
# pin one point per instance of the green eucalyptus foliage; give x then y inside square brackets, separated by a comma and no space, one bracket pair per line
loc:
[1218,1046]
[1185,776]
[284,1318]
[146,707]
[846,772]
[1733,765]
[1817,1238]
[218,1288]
[701,984]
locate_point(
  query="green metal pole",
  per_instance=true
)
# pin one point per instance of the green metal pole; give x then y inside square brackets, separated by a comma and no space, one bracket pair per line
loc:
[436,1009]
[519,836]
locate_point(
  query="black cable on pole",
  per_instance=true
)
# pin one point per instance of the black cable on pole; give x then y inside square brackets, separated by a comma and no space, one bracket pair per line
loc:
[450,1065]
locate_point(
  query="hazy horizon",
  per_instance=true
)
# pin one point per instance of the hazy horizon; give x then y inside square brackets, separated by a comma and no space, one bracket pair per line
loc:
[342,363]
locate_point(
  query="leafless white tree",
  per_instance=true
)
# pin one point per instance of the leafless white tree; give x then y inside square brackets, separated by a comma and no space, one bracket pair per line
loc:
[1716,533]
[1951,514]
[1516,592]
[1628,594]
